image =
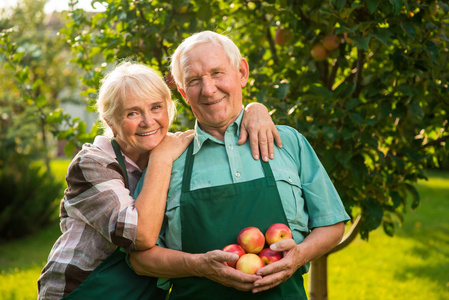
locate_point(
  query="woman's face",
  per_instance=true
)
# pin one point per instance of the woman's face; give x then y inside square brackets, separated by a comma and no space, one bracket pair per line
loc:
[141,126]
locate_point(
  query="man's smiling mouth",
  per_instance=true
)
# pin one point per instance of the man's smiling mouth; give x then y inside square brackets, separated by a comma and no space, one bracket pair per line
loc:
[215,102]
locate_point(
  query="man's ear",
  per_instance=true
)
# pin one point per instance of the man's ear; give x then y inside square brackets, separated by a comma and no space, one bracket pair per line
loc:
[244,72]
[183,93]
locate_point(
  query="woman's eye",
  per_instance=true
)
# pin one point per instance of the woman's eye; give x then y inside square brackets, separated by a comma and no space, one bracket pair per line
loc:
[131,114]
[156,107]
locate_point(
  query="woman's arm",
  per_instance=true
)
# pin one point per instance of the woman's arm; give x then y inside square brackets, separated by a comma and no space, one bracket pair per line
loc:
[150,203]
[262,132]
[168,263]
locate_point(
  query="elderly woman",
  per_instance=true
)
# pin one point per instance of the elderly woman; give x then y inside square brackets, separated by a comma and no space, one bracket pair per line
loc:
[100,220]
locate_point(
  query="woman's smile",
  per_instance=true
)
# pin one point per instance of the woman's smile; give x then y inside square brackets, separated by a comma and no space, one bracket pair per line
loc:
[147,133]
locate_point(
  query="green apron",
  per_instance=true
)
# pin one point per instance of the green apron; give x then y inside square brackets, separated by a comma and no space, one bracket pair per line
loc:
[113,278]
[211,218]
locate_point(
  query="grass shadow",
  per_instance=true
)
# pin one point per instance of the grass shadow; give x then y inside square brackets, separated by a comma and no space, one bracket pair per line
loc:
[429,228]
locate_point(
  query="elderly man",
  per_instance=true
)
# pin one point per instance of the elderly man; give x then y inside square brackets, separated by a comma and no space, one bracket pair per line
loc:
[217,189]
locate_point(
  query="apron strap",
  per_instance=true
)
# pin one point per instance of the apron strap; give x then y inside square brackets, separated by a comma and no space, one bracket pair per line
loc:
[119,155]
[188,169]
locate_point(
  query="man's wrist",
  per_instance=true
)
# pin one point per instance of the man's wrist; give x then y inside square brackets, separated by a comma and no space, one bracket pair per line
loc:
[195,264]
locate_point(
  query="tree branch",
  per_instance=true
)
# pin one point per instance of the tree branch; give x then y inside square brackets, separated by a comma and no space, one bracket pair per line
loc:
[349,237]
[272,47]
[333,75]
[435,142]
[358,74]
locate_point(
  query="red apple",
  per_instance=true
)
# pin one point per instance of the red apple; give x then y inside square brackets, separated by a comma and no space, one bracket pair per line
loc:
[331,42]
[251,239]
[269,256]
[277,232]
[249,263]
[234,248]
[282,36]
[319,53]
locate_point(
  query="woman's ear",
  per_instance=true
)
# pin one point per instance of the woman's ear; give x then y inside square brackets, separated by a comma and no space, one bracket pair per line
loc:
[111,125]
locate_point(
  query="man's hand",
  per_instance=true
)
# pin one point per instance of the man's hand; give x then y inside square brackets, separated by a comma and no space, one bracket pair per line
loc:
[262,132]
[320,241]
[213,267]
[278,272]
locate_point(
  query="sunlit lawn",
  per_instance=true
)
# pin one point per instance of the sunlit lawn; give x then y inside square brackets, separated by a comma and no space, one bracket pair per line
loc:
[412,265]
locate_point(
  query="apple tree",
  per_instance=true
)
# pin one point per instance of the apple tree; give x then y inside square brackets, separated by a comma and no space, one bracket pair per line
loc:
[372,101]
[365,81]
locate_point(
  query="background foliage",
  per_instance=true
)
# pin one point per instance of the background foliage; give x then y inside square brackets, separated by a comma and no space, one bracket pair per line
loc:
[35,80]
[375,109]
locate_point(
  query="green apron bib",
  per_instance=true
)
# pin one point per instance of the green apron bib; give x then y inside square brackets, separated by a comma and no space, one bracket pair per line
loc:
[113,278]
[211,218]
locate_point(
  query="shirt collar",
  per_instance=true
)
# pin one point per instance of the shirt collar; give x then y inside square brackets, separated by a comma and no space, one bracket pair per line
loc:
[104,144]
[201,136]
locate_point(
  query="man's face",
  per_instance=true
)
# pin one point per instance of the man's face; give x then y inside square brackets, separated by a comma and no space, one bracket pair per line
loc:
[213,88]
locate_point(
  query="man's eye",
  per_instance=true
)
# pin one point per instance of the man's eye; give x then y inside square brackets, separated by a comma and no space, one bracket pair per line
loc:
[194,81]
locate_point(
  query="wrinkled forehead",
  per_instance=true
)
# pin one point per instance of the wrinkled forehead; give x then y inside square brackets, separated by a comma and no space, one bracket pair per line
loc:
[205,58]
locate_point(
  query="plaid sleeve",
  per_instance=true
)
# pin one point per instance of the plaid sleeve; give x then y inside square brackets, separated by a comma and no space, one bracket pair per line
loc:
[96,194]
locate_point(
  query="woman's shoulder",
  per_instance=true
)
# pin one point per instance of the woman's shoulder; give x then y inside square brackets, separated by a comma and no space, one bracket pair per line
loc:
[98,152]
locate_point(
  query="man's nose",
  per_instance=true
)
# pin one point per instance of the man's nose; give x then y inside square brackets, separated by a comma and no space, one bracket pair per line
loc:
[209,87]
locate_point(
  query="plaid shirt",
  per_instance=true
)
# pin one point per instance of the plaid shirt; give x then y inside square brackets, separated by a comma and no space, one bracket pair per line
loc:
[97,215]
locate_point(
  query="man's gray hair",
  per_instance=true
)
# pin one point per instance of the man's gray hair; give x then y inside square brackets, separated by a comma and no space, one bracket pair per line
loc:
[180,56]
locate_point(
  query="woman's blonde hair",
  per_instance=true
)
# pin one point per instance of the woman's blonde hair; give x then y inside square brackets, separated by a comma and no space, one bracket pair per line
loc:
[180,56]
[129,79]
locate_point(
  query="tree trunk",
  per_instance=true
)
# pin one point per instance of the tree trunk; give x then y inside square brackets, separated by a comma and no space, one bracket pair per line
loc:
[318,279]
[318,267]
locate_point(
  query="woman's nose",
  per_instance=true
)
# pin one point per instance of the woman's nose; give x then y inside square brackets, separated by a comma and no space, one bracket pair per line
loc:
[146,120]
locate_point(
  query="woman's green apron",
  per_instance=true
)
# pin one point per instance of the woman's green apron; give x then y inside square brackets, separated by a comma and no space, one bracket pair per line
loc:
[211,218]
[113,278]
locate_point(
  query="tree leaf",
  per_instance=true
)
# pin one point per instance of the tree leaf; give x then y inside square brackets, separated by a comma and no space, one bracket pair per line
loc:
[389,227]
[363,42]
[374,213]
[415,195]
[372,5]
[282,91]
[383,35]
[409,29]
[397,4]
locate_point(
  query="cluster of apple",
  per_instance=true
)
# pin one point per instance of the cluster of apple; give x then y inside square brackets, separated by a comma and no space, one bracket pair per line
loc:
[250,247]
[321,50]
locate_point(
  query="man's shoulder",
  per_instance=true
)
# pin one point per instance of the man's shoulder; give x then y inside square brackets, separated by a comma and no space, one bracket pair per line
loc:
[289,133]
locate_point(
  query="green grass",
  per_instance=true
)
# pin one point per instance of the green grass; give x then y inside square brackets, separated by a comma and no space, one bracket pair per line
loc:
[21,261]
[412,265]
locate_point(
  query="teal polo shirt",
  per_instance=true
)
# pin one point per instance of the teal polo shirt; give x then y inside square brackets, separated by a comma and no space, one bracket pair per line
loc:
[308,196]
